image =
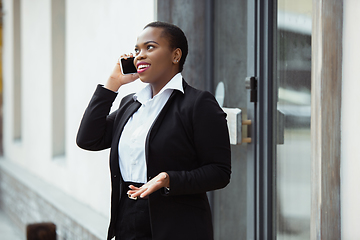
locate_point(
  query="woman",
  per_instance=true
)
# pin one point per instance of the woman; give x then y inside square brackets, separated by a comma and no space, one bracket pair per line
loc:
[169,144]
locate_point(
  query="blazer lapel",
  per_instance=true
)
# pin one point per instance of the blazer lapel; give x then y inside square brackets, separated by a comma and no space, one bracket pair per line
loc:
[157,123]
[124,118]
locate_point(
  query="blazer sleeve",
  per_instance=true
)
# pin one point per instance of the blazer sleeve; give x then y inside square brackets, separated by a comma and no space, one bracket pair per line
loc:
[212,144]
[95,131]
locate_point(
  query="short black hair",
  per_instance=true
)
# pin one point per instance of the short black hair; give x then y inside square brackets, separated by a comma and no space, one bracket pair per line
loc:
[176,37]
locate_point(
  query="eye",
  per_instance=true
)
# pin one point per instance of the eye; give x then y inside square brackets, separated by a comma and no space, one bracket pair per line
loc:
[136,51]
[149,47]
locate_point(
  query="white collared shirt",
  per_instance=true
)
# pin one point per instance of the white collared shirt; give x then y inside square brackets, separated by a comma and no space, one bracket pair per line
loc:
[131,148]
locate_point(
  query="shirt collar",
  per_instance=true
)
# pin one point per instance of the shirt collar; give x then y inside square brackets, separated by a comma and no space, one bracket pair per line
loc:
[145,94]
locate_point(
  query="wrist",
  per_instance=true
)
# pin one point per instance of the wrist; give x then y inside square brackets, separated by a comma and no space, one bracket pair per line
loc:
[166,180]
[112,85]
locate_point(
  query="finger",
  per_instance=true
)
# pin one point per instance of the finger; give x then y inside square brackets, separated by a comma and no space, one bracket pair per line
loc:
[149,191]
[131,193]
[135,76]
[138,192]
[125,56]
[132,190]
[152,188]
[133,187]
[145,193]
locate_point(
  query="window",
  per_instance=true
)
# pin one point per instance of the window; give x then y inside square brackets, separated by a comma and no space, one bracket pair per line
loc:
[17,106]
[58,76]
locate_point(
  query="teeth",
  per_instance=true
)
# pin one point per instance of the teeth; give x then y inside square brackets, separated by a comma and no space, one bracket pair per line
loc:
[143,66]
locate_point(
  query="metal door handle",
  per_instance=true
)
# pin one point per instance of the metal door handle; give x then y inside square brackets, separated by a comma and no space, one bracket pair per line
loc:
[247,139]
[280,127]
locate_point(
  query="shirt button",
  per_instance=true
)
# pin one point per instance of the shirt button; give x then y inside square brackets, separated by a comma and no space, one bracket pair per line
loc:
[114,176]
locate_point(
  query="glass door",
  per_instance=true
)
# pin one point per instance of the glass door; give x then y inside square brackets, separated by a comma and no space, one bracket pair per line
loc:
[293,78]
[255,56]
[282,113]
[262,66]
[234,59]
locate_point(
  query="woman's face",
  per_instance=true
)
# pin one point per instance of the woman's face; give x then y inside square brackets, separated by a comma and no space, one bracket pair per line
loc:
[154,59]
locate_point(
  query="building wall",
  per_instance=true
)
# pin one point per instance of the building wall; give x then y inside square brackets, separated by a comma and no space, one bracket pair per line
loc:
[96,34]
[350,132]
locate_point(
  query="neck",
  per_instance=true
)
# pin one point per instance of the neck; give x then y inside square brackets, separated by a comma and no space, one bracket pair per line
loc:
[156,87]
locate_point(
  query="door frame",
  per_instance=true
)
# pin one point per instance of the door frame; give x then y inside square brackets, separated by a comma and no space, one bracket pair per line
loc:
[262,151]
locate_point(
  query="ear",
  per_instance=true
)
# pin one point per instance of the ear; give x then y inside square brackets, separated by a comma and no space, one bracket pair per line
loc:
[177,53]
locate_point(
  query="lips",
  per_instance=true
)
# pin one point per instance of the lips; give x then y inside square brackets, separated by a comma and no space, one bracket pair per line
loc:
[142,66]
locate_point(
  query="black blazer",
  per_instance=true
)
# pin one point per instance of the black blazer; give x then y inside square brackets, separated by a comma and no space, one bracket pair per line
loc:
[189,140]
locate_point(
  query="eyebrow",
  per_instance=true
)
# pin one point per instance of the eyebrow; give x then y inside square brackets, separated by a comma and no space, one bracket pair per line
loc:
[148,43]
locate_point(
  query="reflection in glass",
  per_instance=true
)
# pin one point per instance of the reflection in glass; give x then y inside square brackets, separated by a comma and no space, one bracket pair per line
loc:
[293,100]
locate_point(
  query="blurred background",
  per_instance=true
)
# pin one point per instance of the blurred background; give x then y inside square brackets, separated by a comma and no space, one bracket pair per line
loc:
[55,52]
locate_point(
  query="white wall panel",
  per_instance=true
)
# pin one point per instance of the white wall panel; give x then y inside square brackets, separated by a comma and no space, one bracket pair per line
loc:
[97,33]
[350,132]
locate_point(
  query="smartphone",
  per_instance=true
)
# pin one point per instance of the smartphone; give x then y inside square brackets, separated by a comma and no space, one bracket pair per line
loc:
[127,65]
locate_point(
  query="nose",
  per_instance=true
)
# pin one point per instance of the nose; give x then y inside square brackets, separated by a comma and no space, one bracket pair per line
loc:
[139,56]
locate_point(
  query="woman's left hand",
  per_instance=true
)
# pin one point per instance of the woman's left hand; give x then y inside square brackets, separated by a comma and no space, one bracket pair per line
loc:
[160,181]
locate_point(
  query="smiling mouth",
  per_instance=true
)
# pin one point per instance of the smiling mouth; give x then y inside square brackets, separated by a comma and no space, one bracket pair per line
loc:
[142,67]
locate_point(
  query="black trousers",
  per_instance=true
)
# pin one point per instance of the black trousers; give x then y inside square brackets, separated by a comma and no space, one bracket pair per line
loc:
[133,220]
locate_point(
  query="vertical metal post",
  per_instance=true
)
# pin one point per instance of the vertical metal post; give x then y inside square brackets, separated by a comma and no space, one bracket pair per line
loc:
[266,22]
[251,114]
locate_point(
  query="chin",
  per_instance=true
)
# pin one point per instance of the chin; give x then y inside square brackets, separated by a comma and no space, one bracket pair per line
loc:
[143,80]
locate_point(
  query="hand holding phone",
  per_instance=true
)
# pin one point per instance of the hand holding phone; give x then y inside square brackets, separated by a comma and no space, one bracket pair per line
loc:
[121,74]
[127,65]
